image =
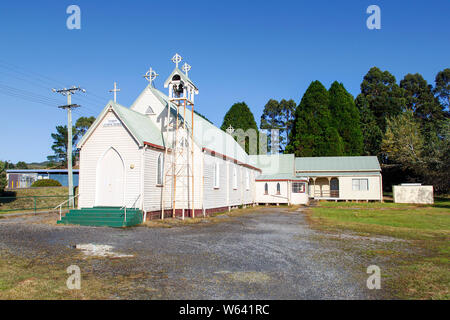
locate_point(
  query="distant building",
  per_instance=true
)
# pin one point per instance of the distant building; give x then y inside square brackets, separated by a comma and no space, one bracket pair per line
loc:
[24,178]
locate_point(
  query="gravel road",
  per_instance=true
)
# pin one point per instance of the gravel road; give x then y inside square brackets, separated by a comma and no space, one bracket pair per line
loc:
[270,253]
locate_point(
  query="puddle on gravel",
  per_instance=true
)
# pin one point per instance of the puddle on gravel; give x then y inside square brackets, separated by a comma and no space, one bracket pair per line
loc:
[100,250]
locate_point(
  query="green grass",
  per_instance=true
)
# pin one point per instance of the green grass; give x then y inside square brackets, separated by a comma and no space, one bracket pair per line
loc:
[423,272]
[21,200]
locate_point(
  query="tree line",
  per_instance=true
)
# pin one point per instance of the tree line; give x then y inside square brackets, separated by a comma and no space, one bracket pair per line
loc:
[405,124]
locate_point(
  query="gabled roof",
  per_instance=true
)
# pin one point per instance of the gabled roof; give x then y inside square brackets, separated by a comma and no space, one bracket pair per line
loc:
[207,135]
[182,76]
[274,164]
[140,126]
[332,164]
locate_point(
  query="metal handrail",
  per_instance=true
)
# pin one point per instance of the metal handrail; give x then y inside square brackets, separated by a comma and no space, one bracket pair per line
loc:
[62,203]
[125,207]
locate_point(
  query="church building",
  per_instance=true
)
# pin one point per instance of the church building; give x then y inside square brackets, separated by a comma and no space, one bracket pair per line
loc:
[158,158]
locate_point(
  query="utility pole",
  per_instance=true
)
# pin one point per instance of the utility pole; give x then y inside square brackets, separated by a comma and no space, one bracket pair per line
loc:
[68,93]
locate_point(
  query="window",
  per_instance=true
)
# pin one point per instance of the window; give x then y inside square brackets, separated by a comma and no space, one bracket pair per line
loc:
[149,111]
[247,180]
[360,184]
[266,188]
[216,175]
[234,178]
[160,172]
[278,188]
[298,187]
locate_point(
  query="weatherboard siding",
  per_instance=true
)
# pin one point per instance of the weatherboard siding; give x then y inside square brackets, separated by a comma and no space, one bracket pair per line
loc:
[101,139]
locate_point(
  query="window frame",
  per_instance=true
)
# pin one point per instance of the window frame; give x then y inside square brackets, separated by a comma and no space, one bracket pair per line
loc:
[358,185]
[301,189]
[278,188]
[216,184]
[235,179]
[266,188]
[160,170]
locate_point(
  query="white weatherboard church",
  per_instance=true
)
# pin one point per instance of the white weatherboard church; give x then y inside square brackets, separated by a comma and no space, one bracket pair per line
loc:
[161,157]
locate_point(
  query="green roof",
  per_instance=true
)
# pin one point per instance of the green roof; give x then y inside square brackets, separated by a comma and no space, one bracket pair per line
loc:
[207,135]
[279,176]
[272,164]
[333,164]
[140,126]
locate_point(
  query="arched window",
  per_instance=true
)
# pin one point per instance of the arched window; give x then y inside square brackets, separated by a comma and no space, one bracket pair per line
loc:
[247,180]
[266,188]
[278,188]
[160,172]
[235,178]
[216,175]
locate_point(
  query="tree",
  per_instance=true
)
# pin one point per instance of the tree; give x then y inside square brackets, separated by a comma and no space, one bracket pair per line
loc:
[346,119]
[21,165]
[3,181]
[382,95]
[442,87]
[280,116]
[403,142]
[288,108]
[241,118]
[371,132]
[82,125]
[420,99]
[59,147]
[313,134]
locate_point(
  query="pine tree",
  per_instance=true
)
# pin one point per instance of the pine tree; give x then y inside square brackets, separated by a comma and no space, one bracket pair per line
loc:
[241,118]
[345,118]
[313,134]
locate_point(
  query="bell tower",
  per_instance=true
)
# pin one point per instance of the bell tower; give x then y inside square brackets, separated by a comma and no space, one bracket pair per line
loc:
[181,93]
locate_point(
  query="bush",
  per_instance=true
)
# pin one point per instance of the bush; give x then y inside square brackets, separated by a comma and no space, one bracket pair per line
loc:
[46,183]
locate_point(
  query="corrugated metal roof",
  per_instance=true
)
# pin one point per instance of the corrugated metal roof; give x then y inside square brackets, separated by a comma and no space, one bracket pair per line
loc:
[365,163]
[141,127]
[279,176]
[338,173]
[271,164]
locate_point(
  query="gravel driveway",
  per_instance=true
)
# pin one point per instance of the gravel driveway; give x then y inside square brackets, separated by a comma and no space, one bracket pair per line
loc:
[270,253]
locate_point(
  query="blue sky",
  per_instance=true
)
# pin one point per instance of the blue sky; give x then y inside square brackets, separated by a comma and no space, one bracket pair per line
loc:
[239,51]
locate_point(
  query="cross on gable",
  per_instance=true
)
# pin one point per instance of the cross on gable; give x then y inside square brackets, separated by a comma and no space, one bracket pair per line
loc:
[115,90]
[230,129]
[151,75]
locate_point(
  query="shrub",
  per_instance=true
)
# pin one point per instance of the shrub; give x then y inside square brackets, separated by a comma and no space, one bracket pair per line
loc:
[46,183]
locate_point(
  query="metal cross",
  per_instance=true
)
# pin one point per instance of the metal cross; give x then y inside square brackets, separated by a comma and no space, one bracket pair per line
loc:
[177,59]
[230,129]
[186,68]
[151,75]
[115,90]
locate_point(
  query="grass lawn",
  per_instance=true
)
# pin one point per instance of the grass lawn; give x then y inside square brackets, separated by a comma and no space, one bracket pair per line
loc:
[423,273]
[22,200]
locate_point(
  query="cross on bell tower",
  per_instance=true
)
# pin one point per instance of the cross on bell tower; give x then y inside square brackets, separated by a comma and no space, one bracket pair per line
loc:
[177,59]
